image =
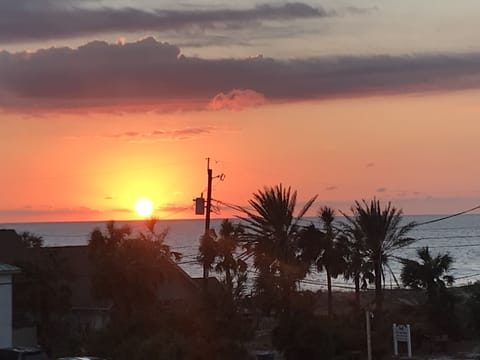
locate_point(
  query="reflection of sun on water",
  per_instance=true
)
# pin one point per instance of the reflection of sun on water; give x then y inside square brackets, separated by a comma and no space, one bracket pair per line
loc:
[144,207]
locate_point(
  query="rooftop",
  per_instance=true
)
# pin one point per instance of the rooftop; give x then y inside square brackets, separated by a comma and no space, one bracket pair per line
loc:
[8,269]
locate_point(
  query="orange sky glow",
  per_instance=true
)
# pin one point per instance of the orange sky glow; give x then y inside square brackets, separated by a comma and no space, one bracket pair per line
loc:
[401,148]
[336,99]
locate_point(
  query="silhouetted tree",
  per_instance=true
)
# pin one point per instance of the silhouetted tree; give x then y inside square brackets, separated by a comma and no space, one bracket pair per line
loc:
[323,250]
[382,232]
[208,251]
[473,307]
[31,240]
[221,253]
[127,270]
[130,268]
[228,262]
[272,234]
[431,273]
[358,266]
[158,239]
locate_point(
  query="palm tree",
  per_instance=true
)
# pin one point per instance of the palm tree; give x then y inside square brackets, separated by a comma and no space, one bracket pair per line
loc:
[357,266]
[31,240]
[227,262]
[332,258]
[322,249]
[219,253]
[272,233]
[207,252]
[431,273]
[127,270]
[158,239]
[382,232]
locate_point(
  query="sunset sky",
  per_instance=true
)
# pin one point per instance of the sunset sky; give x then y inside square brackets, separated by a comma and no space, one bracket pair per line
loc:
[104,102]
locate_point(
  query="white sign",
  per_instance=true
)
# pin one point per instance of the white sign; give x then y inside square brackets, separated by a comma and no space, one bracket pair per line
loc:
[401,333]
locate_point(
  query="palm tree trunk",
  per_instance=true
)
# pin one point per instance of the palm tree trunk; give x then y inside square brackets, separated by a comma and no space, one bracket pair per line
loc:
[228,278]
[357,291]
[378,287]
[329,287]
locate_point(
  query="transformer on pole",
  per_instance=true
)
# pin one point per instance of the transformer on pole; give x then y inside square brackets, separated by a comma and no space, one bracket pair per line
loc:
[199,205]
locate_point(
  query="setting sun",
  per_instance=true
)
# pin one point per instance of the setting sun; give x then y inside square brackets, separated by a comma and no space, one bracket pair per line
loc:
[144,207]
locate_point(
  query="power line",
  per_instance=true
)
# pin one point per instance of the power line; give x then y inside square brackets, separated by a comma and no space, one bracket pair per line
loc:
[449,216]
[443,246]
[467,276]
[448,237]
[448,228]
[231,206]
[244,209]
[318,283]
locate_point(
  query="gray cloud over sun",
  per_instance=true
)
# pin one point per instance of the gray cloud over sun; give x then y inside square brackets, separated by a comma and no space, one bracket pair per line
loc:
[151,74]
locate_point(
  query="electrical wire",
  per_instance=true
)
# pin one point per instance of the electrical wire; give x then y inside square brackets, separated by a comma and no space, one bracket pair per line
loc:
[448,217]
[443,246]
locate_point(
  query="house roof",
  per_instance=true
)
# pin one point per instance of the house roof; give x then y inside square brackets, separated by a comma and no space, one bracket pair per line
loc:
[6,269]
[214,286]
[12,249]
[77,263]
[178,285]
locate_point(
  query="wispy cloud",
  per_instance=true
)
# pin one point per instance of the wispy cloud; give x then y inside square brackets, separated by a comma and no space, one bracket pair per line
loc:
[152,74]
[163,135]
[27,20]
[30,211]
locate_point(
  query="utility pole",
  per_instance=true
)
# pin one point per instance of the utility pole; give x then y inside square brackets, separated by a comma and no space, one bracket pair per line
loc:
[208,208]
[369,335]
[202,208]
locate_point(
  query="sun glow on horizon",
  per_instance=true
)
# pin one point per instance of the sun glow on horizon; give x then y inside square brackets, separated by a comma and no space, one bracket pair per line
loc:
[144,207]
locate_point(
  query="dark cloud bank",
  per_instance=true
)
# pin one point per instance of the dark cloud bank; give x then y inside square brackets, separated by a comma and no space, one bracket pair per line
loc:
[155,73]
[29,20]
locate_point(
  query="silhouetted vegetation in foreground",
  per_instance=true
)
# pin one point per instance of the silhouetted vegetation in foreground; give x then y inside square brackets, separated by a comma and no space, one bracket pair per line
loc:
[260,263]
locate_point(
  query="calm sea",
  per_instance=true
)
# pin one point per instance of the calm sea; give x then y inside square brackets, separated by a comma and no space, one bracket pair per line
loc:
[459,236]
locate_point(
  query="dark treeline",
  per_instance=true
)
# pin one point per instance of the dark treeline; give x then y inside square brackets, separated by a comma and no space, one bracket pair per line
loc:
[260,263]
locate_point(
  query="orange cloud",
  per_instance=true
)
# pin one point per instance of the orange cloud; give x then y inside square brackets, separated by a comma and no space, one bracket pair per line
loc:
[237,99]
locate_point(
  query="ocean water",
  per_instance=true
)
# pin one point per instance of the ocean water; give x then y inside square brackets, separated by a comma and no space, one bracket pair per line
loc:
[459,236]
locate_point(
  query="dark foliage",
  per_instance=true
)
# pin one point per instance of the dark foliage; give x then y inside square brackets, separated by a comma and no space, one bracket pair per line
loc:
[41,293]
[301,334]
[431,273]
[128,270]
[381,232]
[323,250]
[221,253]
[473,308]
[272,235]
